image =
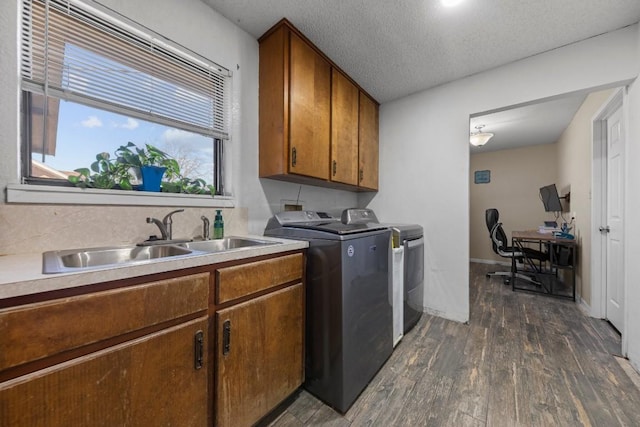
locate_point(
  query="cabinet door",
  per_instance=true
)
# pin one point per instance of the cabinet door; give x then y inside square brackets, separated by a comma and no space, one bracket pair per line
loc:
[344,129]
[259,355]
[309,111]
[368,157]
[148,381]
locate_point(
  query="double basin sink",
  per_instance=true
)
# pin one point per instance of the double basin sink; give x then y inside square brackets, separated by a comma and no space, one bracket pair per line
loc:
[65,261]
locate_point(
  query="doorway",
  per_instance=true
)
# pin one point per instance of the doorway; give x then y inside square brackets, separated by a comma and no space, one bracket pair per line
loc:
[608,289]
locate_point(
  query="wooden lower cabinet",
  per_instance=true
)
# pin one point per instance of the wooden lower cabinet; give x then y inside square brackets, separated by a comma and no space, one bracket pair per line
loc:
[259,355]
[163,352]
[148,381]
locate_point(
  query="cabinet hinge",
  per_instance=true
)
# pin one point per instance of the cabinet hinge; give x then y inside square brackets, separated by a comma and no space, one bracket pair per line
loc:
[226,337]
[198,350]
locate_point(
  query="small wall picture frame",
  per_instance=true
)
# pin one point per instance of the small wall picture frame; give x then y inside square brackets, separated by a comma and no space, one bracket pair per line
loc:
[482,177]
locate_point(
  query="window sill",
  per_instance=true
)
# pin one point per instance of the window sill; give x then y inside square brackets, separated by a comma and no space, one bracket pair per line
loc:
[45,194]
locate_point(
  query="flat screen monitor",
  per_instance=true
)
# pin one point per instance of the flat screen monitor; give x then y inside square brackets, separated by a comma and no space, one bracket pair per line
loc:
[550,198]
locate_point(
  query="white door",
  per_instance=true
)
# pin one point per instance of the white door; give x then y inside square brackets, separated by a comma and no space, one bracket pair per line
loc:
[614,225]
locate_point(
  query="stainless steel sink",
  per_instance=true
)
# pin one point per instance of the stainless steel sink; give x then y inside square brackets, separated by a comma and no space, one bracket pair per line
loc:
[89,258]
[226,244]
[69,260]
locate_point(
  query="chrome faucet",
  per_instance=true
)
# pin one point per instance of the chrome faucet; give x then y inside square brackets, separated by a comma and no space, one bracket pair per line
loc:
[165,225]
[163,229]
[205,228]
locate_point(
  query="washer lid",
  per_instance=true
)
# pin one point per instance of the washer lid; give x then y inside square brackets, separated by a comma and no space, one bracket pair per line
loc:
[320,221]
[336,227]
[355,216]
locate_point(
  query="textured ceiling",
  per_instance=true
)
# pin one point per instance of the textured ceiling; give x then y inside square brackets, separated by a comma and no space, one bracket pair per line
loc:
[395,48]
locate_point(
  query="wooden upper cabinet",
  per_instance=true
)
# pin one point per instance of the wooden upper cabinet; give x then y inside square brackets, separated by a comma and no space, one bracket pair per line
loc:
[309,116]
[295,109]
[344,129]
[368,143]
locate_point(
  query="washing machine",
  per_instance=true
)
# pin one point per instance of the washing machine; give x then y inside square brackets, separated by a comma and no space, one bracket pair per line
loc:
[348,312]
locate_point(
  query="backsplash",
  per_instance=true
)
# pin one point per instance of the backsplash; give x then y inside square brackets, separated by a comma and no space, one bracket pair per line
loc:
[39,228]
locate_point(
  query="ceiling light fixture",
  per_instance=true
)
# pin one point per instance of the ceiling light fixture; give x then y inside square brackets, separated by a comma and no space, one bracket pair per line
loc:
[479,138]
[451,3]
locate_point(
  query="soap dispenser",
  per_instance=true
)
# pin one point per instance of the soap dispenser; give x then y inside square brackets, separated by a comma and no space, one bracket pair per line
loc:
[218,226]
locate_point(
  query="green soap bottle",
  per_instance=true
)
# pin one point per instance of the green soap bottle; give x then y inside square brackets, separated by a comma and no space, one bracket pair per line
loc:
[218,226]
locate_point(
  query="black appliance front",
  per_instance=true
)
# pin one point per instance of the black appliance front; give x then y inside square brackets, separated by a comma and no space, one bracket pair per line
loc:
[348,317]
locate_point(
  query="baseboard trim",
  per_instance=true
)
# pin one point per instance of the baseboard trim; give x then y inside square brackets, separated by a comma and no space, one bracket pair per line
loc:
[583,306]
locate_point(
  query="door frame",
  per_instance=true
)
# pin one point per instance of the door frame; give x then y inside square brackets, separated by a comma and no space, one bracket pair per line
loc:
[598,207]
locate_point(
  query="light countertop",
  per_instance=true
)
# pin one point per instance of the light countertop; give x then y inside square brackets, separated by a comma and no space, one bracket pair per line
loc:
[22,274]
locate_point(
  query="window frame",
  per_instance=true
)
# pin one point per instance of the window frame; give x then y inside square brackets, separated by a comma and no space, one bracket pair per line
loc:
[34,190]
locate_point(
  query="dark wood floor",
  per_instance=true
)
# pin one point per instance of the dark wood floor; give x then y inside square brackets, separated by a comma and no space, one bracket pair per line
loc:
[523,360]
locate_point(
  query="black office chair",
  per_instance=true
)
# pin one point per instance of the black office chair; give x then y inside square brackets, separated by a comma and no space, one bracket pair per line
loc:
[501,247]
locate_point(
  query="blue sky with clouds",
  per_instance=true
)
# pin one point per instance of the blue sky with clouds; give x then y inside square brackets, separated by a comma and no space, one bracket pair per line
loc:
[84,132]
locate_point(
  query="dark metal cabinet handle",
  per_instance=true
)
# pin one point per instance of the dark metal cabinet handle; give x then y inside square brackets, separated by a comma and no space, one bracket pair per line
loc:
[293,157]
[361,174]
[198,341]
[335,167]
[226,337]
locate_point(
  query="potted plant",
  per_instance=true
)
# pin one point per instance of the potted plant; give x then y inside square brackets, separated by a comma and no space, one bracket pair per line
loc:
[152,162]
[104,173]
[188,186]
[132,164]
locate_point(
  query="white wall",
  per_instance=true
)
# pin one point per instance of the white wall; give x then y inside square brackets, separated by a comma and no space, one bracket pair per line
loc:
[632,223]
[9,113]
[424,153]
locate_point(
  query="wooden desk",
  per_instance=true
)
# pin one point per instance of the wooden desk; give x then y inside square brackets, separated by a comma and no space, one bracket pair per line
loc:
[562,259]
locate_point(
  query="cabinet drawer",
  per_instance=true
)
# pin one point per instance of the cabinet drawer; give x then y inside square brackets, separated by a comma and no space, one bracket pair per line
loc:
[39,330]
[246,279]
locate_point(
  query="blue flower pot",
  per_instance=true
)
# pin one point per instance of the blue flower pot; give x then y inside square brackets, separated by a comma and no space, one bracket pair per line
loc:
[151,177]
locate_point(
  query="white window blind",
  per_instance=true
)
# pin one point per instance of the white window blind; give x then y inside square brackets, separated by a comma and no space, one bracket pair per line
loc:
[80,52]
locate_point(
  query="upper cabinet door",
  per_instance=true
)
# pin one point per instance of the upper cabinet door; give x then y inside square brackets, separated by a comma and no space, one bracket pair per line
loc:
[344,129]
[309,111]
[368,157]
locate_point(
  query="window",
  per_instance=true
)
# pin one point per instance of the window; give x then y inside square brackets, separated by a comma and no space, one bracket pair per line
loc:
[93,81]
